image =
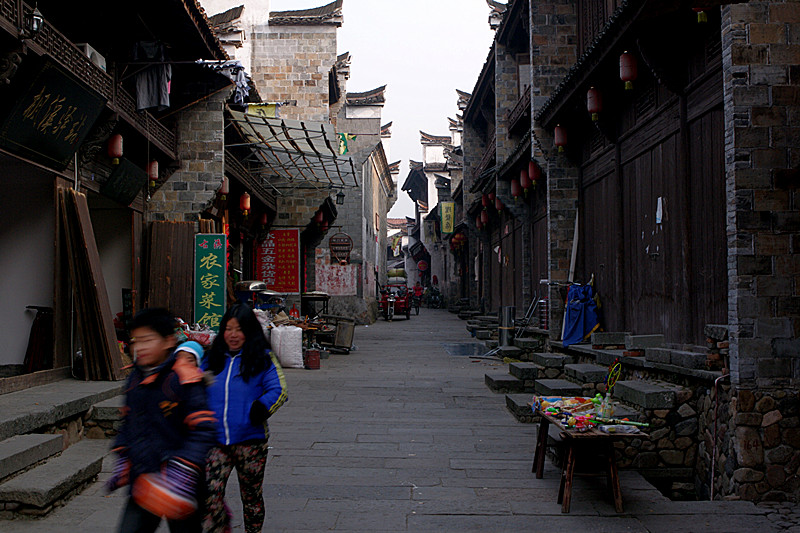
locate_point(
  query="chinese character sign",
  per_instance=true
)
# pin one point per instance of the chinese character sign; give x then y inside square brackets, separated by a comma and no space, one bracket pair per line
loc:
[209,278]
[278,261]
[448,211]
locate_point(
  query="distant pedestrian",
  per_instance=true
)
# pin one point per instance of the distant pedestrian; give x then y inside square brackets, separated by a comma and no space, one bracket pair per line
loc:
[166,431]
[248,388]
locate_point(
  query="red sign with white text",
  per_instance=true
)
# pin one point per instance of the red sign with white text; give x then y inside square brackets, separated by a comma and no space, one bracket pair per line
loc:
[278,261]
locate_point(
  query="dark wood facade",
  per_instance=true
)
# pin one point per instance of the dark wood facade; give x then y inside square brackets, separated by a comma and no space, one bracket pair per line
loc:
[652,210]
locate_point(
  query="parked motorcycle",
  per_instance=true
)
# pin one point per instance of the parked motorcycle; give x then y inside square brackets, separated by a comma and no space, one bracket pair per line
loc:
[389,311]
[434,298]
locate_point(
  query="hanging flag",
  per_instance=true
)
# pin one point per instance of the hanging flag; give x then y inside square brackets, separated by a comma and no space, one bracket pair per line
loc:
[343,139]
[263,110]
[397,241]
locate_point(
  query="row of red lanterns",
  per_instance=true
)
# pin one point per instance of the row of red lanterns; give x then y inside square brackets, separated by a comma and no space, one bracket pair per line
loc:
[628,72]
[115,152]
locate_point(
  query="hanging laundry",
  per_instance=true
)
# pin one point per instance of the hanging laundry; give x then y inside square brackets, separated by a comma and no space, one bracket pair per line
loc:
[153,81]
[343,140]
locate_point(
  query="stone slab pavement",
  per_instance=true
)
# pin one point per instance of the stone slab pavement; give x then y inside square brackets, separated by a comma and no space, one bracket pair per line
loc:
[398,435]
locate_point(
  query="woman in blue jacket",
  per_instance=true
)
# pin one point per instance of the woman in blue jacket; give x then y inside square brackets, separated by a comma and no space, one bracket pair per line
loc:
[248,388]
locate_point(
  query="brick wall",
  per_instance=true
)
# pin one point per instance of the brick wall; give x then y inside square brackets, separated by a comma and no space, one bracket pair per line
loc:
[292,63]
[553,51]
[201,151]
[761,58]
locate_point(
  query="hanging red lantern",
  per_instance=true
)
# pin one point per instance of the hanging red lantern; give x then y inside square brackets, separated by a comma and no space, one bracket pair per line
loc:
[701,14]
[485,201]
[319,216]
[498,204]
[492,196]
[627,69]
[594,103]
[115,148]
[534,174]
[224,189]
[264,219]
[152,173]
[484,217]
[516,190]
[478,223]
[244,203]
[561,137]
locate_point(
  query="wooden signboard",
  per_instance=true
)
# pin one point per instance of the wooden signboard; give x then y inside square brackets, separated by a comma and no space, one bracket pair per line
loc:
[278,261]
[209,278]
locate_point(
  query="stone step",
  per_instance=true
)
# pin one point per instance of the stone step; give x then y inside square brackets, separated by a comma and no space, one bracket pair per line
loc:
[109,410]
[609,338]
[551,360]
[28,410]
[39,488]
[557,387]
[528,343]
[21,451]
[483,334]
[491,344]
[694,360]
[586,372]
[510,351]
[645,394]
[524,371]
[519,406]
[503,382]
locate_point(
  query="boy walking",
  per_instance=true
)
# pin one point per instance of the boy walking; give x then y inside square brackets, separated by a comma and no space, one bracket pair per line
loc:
[166,432]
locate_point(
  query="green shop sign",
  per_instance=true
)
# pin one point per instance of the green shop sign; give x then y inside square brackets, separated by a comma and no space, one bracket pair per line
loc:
[209,278]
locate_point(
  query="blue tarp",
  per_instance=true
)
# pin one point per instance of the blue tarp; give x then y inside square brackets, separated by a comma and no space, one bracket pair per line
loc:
[580,318]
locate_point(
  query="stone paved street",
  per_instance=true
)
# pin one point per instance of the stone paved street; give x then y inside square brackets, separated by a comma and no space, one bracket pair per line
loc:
[400,436]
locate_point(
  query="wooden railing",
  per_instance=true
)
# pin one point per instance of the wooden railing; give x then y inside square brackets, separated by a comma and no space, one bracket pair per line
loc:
[522,107]
[53,43]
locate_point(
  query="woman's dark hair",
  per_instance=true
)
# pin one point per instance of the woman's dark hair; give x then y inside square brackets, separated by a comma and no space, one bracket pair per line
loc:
[159,320]
[254,352]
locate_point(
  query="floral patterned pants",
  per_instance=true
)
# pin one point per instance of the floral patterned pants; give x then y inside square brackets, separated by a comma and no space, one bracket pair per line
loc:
[250,461]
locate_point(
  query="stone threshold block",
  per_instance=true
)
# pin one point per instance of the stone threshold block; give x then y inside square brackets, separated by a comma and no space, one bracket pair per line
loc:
[551,360]
[586,372]
[42,486]
[645,394]
[503,382]
[21,451]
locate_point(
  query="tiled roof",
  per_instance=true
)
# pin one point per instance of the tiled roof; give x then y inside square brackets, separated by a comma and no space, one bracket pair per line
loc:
[226,17]
[375,96]
[427,138]
[200,19]
[394,168]
[324,15]
[386,130]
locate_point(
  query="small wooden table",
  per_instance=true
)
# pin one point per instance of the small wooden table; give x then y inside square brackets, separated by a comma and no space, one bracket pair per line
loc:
[593,438]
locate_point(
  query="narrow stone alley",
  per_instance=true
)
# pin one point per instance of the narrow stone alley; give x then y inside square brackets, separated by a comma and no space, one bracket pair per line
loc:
[398,435]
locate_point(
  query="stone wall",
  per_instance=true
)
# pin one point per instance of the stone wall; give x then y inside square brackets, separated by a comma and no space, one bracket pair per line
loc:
[201,151]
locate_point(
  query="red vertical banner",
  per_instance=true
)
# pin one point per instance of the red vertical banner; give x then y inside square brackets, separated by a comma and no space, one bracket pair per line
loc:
[278,261]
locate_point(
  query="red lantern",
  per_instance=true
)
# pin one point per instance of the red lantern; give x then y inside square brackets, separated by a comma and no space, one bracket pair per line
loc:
[561,137]
[264,219]
[492,196]
[115,148]
[534,173]
[627,69]
[224,189]
[319,216]
[244,203]
[152,173]
[701,14]
[484,217]
[594,103]
[485,201]
[478,223]
[498,204]
[516,190]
